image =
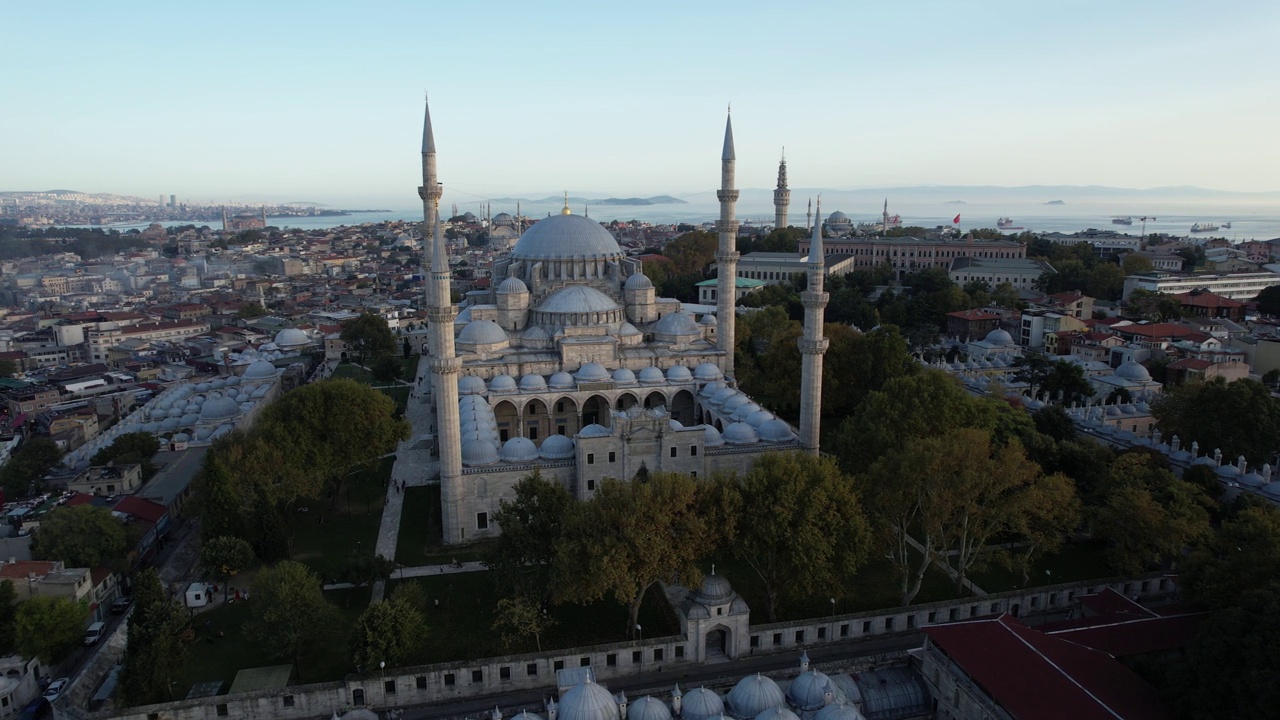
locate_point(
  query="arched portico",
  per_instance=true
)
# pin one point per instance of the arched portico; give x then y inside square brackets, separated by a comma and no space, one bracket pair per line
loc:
[716,644]
[596,410]
[682,408]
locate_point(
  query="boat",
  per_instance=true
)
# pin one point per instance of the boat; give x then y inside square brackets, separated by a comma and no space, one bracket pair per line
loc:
[1226,225]
[1204,227]
[1005,223]
[1121,221]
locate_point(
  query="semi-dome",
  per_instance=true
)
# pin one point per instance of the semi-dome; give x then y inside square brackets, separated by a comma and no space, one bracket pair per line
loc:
[502,383]
[478,451]
[578,299]
[519,449]
[638,281]
[592,372]
[594,430]
[218,408]
[740,433]
[652,376]
[712,437]
[556,447]
[679,373]
[701,704]
[808,691]
[628,330]
[482,332]
[677,323]
[566,237]
[998,337]
[471,385]
[753,695]
[648,708]
[1132,371]
[707,371]
[624,376]
[561,381]
[292,338]
[775,430]
[513,286]
[587,701]
[533,383]
[260,370]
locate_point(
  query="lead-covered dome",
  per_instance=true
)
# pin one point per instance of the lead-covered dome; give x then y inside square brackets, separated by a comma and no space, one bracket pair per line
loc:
[260,370]
[513,286]
[587,701]
[701,704]
[556,447]
[1132,371]
[707,371]
[638,281]
[740,433]
[679,373]
[648,708]
[998,337]
[503,384]
[561,381]
[292,338]
[838,712]
[592,372]
[482,332]
[677,323]
[566,237]
[533,383]
[753,695]
[808,691]
[217,408]
[519,449]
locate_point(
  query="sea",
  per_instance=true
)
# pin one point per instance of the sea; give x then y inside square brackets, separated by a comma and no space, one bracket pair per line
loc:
[1248,221]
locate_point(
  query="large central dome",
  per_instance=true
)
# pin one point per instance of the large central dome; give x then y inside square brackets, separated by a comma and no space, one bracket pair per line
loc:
[563,237]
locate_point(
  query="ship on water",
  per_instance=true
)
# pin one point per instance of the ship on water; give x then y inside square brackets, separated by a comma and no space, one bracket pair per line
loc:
[1122,220]
[1005,223]
[1204,227]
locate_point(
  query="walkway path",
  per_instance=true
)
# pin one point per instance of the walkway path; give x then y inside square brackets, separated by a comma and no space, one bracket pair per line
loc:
[414,466]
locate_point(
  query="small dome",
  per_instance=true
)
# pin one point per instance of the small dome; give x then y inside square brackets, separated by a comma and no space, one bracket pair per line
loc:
[533,383]
[722,395]
[735,402]
[808,691]
[471,385]
[556,447]
[182,437]
[638,281]
[190,418]
[744,411]
[628,330]
[998,337]
[562,381]
[502,383]
[587,701]
[715,590]
[519,449]
[758,418]
[217,408]
[260,370]
[652,376]
[777,714]
[175,412]
[679,373]
[173,424]
[708,320]
[624,376]
[712,437]
[594,430]
[592,372]
[648,708]
[1132,371]
[291,338]
[526,715]
[478,452]
[753,695]
[202,387]
[711,388]
[740,434]
[578,299]
[701,704]
[513,286]
[775,430]
[482,332]
[707,371]
[536,334]
[677,323]
[837,217]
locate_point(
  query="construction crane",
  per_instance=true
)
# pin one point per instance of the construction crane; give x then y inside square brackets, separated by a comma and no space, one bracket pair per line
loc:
[1143,242]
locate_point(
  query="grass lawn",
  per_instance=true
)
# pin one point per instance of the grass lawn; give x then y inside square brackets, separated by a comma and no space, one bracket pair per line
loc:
[1083,561]
[410,372]
[355,372]
[461,626]
[398,393]
[214,657]
[326,538]
[420,533]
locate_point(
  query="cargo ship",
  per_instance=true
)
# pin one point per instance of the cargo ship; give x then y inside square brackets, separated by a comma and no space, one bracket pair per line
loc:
[1005,223]
[1204,227]
[1121,221]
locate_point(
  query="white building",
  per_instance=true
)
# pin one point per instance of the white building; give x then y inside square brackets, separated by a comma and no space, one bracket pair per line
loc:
[1236,286]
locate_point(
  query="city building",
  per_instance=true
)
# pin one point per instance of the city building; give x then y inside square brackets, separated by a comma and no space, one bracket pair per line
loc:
[909,254]
[244,220]
[1233,286]
[707,289]
[1021,273]
[1205,304]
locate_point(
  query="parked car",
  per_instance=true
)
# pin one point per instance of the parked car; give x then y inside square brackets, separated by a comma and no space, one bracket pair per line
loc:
[121,604]
[54,691]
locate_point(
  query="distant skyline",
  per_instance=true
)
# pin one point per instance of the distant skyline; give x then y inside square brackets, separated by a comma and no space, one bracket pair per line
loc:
[290,101]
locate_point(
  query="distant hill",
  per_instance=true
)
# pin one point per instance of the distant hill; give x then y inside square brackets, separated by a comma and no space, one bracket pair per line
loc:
[1056,202]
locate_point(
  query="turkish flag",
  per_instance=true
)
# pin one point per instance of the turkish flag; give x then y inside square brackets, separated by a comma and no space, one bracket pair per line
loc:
[956,220]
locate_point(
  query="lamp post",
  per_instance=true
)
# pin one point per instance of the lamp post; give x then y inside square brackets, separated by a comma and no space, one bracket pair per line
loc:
[640,635]
[833,619]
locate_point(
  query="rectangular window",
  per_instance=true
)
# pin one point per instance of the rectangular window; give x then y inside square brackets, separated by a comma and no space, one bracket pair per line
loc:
[844,630]
[533,433]
[502,435]
[657,654]
[449,679]
[389,687]
[822,633]
[866,627]
[560,430]
[591,458]
[584,662]
[531,670]
[482,521]
[933,616]
[799,637]
[755,641]
[995,608]
[591,484]
[888,623]
[477,676]
[613,457]
[286,701]
[421,682]
[693,450]
[1035,601]
[693,473]
[558,665]
[222,710]
[559,407]
[674,451]
[777,639]
[635,657]
[911,621]
[973,610]
[611,660]
[504,673]
[679,652]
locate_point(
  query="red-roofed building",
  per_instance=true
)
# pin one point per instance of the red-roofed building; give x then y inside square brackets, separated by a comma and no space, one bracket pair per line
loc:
[972,323]
[1204,304]
[998,668]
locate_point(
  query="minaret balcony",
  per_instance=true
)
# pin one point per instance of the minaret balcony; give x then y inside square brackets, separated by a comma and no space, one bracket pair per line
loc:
[813,346]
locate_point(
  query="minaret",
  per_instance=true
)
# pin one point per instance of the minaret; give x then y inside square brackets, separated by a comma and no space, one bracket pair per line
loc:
[808,216]
[884,228]
[727,256]
[224,218]
[781,196]
[812,343]
[429,192]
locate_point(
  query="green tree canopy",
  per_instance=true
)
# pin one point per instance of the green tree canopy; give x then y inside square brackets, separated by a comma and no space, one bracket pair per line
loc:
[368,336]
[8,617]
[1242,557]
[84,536]
[49,628]
[518,617]
[8,368]
[224,557]
[797,522]
[156,645]
[290,613]
[1239,418]
[630,536]
[250,311]
[24,472]
[532,525]
[1149,515]
[1269,301]
[130,448]
[392,632]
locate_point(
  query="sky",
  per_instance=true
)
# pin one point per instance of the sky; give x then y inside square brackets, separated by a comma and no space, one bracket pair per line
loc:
[322,101]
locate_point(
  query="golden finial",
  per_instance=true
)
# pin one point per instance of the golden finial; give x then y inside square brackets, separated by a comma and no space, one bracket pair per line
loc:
[566,210]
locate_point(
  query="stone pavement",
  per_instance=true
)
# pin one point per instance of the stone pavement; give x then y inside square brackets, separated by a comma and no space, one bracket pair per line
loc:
[414,466]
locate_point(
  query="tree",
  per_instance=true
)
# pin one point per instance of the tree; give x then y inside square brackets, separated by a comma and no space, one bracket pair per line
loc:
[290,614]
[129,449]
[84,536]
[630,536]
[1135,263]
[392,632]
[531,525]
[1148,514]
[1067,381]
[1269,301]
[1047,511]
[8,368]
[799,525]
[224,557]
[1211,413]
[8,617]
[386,368]
[49,628]
[1242,557]
[518,617]
[251,310]
[156,644]
[24,473]
[368,336]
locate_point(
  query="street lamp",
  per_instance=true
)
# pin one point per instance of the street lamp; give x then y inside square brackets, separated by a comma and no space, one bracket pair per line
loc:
[640,641]
[833,618]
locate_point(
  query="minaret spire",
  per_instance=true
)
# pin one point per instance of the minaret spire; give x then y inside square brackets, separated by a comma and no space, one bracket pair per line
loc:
[812,343]
[727,255]
[781,195]
[808,216]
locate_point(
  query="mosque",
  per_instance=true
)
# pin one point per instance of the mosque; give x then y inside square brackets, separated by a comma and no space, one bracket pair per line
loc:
[571,365]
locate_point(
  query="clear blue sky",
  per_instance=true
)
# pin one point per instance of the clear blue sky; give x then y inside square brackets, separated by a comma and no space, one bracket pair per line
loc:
[323,100]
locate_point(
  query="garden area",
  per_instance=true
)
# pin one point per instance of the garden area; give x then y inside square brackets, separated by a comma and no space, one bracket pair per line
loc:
[398,393]
[328,534]
[419,541]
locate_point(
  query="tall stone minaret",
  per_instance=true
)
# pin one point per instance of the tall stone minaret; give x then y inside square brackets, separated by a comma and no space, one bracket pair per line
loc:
[812,344]
[808,216]
[727,255]
[444,361]
[781,195]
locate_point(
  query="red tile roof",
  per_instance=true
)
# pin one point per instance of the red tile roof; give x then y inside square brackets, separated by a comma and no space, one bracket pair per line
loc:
[1197,298]
[1189,364]
[24,568]
[1034,676]
[140,508]
[973,315]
